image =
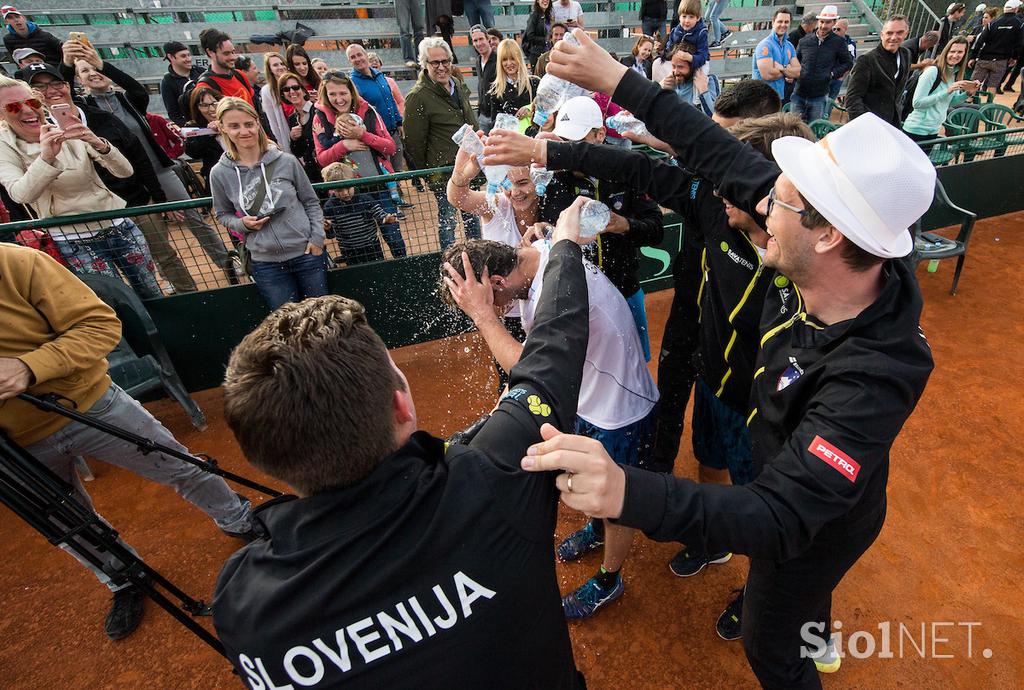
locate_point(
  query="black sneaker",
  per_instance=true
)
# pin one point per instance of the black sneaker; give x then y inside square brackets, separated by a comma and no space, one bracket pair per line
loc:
[1009,89]
[686,564]
[726,34]
[125,612]
[729,623]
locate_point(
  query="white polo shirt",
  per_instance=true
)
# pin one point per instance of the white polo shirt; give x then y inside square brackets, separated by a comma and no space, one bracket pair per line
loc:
[617,388]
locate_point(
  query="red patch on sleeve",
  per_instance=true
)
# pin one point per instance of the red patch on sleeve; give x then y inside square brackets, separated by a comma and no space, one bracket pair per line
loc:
[837,459]
[764,50]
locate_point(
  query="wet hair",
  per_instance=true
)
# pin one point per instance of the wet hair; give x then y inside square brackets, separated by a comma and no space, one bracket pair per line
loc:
[760,132]
[500,260]
[309,395]
[748,98]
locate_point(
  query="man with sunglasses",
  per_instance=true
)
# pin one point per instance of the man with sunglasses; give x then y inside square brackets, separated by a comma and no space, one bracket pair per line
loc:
[841,366]
[440,106]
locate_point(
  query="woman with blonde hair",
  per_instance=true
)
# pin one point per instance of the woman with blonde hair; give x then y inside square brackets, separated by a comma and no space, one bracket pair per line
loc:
[263,195]
[276,108]
[513,87]
[940,87]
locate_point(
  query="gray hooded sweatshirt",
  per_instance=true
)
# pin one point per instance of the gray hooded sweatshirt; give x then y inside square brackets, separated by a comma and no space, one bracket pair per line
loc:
[284,236]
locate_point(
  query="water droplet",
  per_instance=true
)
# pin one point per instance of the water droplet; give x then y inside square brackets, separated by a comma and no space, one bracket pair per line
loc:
[465,349]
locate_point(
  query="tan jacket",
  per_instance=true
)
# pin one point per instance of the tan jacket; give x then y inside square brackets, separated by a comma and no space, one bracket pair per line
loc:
[60,329]
[71,185]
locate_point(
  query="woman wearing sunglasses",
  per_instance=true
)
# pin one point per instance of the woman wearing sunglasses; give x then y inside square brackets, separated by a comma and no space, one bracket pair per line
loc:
[347,128]
[52,171]
[300,124]
[275,108]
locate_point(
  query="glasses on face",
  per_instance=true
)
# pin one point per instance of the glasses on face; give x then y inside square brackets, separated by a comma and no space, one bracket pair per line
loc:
[51,86]
[14,107]
[772,201]
[293,87]
[208,105]
[439,63]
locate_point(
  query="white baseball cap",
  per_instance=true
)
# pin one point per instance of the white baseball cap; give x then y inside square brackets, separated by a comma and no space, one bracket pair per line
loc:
[577,117]
[1011,5]
[829,12]
[866,178]
[981,8]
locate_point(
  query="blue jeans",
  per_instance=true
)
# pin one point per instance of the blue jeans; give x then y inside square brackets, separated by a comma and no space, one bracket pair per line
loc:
[833,92]
[711,17]
[392,232]
[479,12]
[447,219]
[120,247]
[292,280]
[411,20]
[653,25]
[809,109]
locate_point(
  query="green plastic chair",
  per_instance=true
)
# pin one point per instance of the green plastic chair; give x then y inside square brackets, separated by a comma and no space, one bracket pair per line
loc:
[141,374]
[998,115]
[969,121]
[787,108]
[823,127]
[930,246]
[942,154]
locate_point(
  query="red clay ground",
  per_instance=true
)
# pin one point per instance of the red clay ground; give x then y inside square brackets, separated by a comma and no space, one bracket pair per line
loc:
[950,550]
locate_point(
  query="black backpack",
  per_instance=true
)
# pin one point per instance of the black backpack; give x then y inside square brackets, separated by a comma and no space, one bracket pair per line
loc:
[908,92]
[207,80]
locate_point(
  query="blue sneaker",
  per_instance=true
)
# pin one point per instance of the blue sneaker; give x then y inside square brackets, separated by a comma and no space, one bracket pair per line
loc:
[589,597]
[579,544]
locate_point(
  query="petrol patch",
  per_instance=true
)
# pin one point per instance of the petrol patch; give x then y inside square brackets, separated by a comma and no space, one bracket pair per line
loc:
[537,407]
[835,458]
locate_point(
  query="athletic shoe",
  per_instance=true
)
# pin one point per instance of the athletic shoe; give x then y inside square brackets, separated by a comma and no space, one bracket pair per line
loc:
[829,661]
[410,63]
[716,44]
[999,91]
[589,597]
[399,215]
[125,612]
[1009,89]
[729,623]
[402,203]
[686,564]
[727,34]
[579,544]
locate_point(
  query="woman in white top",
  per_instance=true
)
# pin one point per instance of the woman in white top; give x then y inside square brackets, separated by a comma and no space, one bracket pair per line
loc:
[276,110]
[515,212]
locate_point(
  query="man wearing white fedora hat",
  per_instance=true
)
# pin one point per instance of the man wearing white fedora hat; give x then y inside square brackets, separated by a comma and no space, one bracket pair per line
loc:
[841,366]
[823,57]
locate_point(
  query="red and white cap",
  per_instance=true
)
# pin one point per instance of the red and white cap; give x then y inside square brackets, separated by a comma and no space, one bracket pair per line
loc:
[866,178]
[8,9]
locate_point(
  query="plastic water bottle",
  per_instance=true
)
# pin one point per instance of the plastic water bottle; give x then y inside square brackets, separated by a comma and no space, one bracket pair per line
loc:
[469,142]
[594,218]
[506,121]
[497,174]
[623,122]
[552,92]
[541,177]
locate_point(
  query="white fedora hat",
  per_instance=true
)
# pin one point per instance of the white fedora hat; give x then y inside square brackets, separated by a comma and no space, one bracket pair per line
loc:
[829,12]
[867,179]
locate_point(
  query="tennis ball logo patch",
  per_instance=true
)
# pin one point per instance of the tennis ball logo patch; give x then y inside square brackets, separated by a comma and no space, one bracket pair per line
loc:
[781,281]
[538,407]
[724,246]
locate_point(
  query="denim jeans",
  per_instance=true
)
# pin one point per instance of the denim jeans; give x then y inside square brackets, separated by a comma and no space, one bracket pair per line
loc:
[447,219]
[206,491]
[711,17]
[411,21]
[809,109]
[392,232]
[653,25]
[121,248]
[479,12]
[292,280]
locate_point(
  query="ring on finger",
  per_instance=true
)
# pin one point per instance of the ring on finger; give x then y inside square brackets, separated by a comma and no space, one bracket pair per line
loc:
[568,481]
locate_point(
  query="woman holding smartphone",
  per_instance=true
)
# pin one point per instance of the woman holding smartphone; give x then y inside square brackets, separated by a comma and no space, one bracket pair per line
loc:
[263,195]
[940,87]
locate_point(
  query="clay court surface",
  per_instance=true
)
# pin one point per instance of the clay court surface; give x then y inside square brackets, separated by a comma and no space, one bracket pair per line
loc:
[950,551]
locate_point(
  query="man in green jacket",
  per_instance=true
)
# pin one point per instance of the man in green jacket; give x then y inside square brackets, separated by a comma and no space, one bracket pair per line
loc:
[436,108]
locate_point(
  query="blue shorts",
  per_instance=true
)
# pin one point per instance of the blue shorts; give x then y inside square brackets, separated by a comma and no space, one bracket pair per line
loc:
[720,436]
[636,306]
[630,445]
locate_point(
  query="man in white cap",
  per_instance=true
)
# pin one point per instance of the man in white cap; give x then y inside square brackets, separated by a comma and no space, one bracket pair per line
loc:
[995,47]
[21,33]
[950,23]
[841,367]
[823,57]
[1018,59]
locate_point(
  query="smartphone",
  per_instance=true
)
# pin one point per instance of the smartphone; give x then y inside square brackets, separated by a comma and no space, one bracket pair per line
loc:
[189,132]
[80,37]
[271,213]
[64,115]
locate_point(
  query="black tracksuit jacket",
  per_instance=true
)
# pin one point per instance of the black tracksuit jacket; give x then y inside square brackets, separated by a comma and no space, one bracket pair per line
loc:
[820,63]
[618,256]
[1000,40]
[827,403]
[435,570]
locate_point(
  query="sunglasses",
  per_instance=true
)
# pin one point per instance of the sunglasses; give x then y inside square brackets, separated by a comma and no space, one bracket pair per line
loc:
[337,74]
[14,107]
[294,87]
[772,201]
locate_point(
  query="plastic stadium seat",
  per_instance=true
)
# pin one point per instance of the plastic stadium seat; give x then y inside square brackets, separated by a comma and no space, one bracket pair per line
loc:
[823,127]
[929,246]
[139,375]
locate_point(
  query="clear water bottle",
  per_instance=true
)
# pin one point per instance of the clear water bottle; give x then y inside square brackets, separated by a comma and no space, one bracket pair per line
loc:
[469,142]
[594,218]
[541,178]
[552,92]
[624,122]
[506,121]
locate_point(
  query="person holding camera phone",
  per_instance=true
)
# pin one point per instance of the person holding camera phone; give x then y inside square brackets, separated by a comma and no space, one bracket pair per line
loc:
[263,194]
